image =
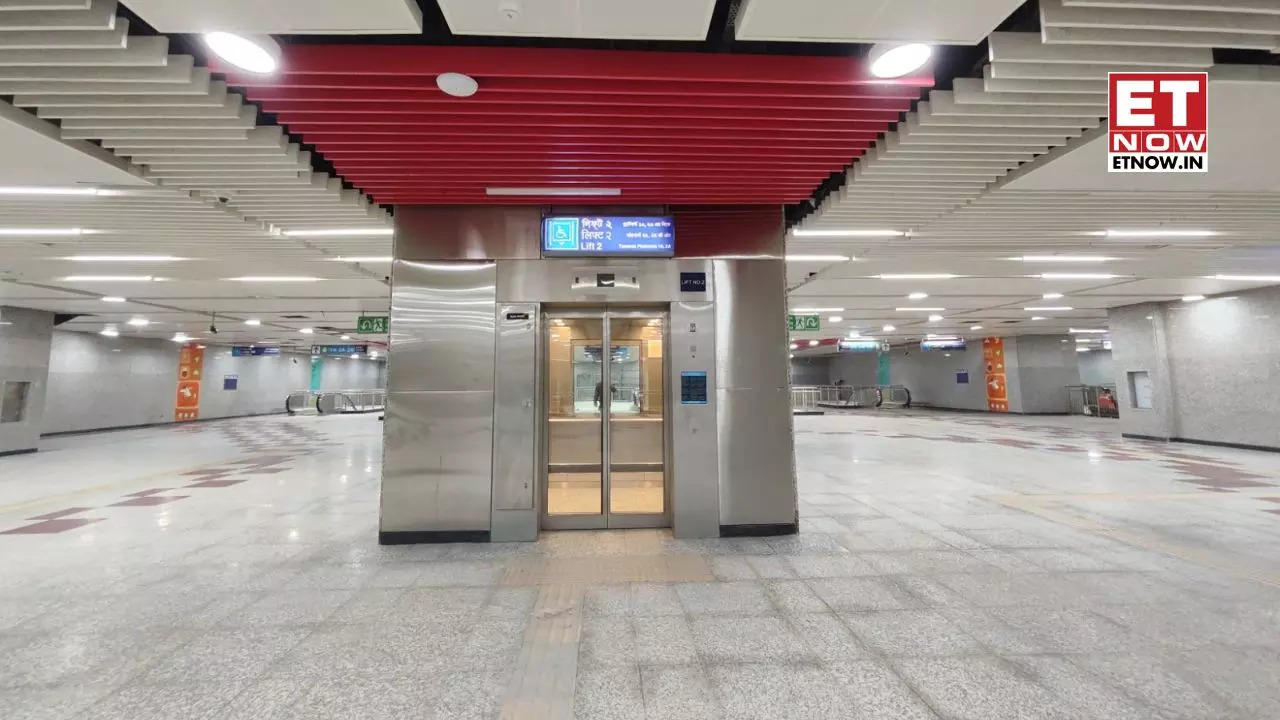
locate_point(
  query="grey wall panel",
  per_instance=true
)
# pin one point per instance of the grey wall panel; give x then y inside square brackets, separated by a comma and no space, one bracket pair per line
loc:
[931,376]
[25,340]
[437,461]
[1045,366]
[1224,368]
[856,368]
[751,324]
[1137,344]
[753,415]
[442,326]
[262,383]
[1097,368]
[696,476]
[811,370]
[97,382]
[757,464]
[468,232]
[515,408]
[339,373]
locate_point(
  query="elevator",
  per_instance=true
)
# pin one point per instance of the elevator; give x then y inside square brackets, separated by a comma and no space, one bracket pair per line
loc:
[529,392]
[605,398]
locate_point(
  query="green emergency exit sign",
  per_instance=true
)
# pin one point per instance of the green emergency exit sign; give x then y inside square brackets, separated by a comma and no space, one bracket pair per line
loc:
[796,323]
[371,325]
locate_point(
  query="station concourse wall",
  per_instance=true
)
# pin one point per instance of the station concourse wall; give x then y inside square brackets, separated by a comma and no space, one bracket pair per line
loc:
[99,383]
[1213,368]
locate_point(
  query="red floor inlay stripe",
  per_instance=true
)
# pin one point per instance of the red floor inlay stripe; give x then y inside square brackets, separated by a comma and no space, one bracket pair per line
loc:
[149,501]
[60,513]
[146,493]
[215,483]
[50,527]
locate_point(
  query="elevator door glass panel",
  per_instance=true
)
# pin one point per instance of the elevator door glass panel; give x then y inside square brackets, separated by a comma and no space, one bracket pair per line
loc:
[575,412]
[637,426]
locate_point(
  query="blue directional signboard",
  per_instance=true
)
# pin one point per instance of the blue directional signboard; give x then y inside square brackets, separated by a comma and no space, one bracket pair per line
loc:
[645,236]
[339,349]
[253,351]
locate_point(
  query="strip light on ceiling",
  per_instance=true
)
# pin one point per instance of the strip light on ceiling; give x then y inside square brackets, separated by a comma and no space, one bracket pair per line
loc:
[1065,258]
[917,276]
[1051,308]
[1077,276]
[41,232]
[553,191]
[847,233]
[113,299]
[1154,233]
[274,278]
[1247,278]
[818,258]
[817,310]
[110,278]
[124,258]
[342,232]
[920,309]
[49,191]
[1086,331]
[369,259]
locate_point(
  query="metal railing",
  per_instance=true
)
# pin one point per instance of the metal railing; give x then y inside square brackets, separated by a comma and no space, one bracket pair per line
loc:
[815,398]
[325,402]
[351,401]
[300,402]
[1093,400]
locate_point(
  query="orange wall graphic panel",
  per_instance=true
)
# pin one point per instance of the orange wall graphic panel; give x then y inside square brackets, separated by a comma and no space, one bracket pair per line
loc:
[993,359]
[190,373]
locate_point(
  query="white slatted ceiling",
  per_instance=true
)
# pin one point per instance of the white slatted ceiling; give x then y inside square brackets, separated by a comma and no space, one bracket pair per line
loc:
[223,187]
[940,174]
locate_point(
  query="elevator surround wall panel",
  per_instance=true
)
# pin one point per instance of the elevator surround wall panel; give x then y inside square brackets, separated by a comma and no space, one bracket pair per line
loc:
[462,449]
[757,457]
[437,467]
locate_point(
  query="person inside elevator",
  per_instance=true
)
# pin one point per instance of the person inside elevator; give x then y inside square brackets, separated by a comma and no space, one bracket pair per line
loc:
[600,392]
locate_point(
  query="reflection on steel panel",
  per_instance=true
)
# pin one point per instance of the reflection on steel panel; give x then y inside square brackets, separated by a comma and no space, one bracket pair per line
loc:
[514,407]
[436,466]
[574,280]
[468,232]
[756,447]
[442,326]
[757,465]
[751,324]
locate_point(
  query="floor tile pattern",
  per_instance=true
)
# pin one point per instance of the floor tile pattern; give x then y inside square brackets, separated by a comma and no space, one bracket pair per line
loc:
[950,567]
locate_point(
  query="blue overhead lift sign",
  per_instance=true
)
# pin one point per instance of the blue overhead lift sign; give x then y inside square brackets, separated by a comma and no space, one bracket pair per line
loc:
[597,236]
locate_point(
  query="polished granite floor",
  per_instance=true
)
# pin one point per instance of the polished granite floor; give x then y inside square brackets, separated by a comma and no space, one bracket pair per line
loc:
[950,566]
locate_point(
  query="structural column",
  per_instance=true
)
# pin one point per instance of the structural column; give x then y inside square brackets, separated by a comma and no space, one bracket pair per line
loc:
[25,338]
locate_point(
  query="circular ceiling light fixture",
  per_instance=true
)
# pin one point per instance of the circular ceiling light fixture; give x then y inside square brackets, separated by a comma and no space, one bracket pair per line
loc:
[258,54]
[889,60]
[457,84]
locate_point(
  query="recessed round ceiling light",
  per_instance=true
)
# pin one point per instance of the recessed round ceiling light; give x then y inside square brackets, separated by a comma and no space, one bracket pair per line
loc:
[457,84]
[258,54]
[893,61]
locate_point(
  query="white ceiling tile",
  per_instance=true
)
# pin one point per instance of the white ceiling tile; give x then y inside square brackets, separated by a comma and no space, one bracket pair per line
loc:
[328,17]
[944,22]
[605,19]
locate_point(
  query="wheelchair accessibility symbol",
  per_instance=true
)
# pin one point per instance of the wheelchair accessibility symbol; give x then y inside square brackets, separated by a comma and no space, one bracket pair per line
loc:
[562,234]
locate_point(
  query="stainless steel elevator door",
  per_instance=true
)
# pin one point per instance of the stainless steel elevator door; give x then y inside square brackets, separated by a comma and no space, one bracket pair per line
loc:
[604,373]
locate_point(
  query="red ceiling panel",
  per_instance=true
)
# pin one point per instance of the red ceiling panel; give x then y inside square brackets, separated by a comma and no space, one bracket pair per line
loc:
[668,128]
